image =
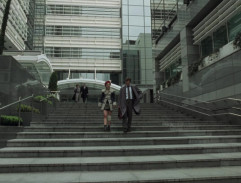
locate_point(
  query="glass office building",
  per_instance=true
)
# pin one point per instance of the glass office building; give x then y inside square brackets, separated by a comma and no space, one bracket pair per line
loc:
[89,36]
[195,53]
[136,42]
[19,27]
[80,36]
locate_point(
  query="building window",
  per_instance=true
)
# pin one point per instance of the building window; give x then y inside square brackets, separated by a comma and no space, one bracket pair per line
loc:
[234,26]
[207,46]
[220,38]
[173,69]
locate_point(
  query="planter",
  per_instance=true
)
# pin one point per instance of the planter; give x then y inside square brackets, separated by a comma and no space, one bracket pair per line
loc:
[42,107]
[37,105]
[27,118]
[10,121]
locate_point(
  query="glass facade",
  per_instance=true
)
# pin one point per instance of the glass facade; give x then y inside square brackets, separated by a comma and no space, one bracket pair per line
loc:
[164,14]
[207,46]
[39,25]
[16,81]
[136,41]
[221,36]
[234,26]
[30,17]
[83,36]
[83,11]
[81,31]
[173,69]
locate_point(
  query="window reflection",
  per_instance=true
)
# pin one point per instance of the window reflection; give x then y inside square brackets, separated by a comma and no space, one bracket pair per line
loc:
[137,45]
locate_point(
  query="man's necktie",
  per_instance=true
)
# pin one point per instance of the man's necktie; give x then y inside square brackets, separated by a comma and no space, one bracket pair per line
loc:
[129,94]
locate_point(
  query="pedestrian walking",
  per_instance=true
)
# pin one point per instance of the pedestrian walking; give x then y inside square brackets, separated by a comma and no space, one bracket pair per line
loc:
[107,102]
[84,93]
[129,99]
[76,93]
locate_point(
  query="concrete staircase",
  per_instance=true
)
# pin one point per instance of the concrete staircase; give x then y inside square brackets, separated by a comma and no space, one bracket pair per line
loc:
[164,146]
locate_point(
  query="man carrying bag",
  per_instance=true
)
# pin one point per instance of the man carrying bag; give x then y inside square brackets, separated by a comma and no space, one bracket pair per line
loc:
[129,99]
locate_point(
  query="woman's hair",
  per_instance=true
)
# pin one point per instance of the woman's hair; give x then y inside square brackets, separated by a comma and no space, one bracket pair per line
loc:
[107,83]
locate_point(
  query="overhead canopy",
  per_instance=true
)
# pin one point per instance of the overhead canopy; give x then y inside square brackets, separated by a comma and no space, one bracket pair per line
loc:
[91,83]
[36,63]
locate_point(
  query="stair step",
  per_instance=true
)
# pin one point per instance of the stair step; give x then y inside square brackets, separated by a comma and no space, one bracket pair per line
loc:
[134,123]
[105,151]
[185,175]
[21,165]
[164,146]
[71,142]
[134,128]
[120,134]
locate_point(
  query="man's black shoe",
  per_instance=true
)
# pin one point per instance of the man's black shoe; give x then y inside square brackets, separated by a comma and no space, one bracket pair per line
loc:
[129,130]
[125,130]
[108,128]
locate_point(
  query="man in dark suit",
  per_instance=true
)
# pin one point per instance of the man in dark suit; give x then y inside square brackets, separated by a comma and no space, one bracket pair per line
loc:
[129,99]
[84,92]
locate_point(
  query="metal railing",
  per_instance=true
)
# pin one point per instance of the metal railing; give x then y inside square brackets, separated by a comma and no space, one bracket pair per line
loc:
[19,107]
[228,107]
[43,110]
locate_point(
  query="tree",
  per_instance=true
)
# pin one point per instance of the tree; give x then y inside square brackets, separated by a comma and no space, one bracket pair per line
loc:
[53,82]
[4,25]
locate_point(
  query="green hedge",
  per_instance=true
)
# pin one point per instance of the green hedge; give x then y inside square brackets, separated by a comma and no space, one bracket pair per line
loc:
[43,99]
[10,120]
[27,108]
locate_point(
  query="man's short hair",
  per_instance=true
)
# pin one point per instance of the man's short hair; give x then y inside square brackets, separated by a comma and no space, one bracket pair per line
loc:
[128,79]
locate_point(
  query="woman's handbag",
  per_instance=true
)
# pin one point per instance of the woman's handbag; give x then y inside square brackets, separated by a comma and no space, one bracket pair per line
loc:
[73,98]
[119,113]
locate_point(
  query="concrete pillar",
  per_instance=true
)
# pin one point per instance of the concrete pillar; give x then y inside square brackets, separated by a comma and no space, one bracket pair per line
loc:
[189,54]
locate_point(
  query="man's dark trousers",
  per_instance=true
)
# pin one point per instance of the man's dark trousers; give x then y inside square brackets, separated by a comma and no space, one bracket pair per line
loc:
[127,118]
[84,99]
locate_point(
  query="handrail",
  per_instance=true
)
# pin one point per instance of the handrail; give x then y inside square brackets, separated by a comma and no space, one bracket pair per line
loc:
[19,103]
[206,109]
[185,98]
[202,113]
[42,113]
[20,100]
[201,101]
[188,108]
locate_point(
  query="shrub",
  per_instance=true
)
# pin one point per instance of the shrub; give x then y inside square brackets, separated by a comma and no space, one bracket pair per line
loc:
[27,108]
[42,99]
[10,120]
[173,80]
[53,81]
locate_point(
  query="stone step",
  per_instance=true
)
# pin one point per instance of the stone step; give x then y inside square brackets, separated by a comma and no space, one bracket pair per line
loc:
[120,134]
[115,116]
[87,142]
[22,165]
[78,109]
[3,143]
[133,120]
[134,123]
[110,151]
[230,174]
[116,127]
[10,129]
[8,135]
